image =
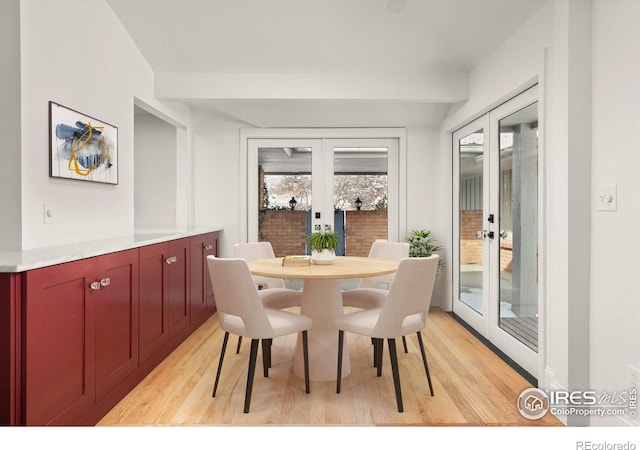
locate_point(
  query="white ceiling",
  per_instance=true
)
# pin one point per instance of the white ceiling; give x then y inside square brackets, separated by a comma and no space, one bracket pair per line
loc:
[359,38]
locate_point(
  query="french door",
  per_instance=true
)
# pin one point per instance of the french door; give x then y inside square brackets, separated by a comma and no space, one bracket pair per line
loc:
[323,178]
[496,229]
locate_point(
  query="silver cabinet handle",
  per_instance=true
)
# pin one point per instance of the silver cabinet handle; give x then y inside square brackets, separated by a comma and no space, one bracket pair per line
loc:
[95,286]
[105,282]
[208,247]
[171,260]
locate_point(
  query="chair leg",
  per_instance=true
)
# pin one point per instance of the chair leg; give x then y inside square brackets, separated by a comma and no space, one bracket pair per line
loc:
[380,345]
[265,357]
[270,345]
[305,353]
[253,356]
[374,341]
[404,344]
[224,347]
[340,344]
[424,360]
[239,343]
[393,356]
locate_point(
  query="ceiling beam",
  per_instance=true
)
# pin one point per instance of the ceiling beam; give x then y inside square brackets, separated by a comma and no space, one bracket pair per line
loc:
[440,88]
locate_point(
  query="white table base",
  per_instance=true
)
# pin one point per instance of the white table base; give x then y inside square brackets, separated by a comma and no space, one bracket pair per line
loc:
[322,302]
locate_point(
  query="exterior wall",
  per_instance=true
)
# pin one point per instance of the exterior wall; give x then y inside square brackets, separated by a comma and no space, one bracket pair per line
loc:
[286,230]
[470,245]
[362,229]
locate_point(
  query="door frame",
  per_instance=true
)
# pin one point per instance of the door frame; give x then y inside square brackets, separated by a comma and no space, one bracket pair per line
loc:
[246,134]
[490,329]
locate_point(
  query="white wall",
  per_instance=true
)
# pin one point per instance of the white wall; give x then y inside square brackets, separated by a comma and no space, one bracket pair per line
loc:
[428,195]
[10,176]
[77,53]
[216,162]
[615,267]
[155,159]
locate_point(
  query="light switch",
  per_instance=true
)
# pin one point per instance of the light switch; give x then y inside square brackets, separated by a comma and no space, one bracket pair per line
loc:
[607,198]
[48,214]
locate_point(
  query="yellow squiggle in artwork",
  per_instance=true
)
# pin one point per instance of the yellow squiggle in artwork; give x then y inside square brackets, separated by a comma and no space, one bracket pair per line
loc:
[79,144]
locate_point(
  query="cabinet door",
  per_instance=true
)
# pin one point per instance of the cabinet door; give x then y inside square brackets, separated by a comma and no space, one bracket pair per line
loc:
[59,355]
[153,282]
[202,300]
[178,287]
[116,320]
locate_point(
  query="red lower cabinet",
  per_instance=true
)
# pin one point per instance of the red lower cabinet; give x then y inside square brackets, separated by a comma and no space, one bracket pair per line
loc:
[202,300]
[81,335]
[77,337]
[164,294]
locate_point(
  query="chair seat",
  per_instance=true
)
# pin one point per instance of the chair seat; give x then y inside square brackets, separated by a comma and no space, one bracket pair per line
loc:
[282,322]
[364,298]
[280,298]
[364,323]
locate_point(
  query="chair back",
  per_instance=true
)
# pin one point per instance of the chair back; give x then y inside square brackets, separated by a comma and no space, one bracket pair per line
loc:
[237,296]
[410,294]
[258,250]
[393,251]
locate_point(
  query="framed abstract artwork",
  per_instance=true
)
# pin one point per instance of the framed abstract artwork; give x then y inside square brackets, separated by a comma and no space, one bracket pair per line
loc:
[81,147]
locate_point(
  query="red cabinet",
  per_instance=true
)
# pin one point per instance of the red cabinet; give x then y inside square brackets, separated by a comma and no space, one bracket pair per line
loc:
[202,301]
[75,338]
[80,336]
[164,294]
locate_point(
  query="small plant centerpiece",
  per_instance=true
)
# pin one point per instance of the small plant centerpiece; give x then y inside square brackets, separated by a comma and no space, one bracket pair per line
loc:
[323,246]
[422,244]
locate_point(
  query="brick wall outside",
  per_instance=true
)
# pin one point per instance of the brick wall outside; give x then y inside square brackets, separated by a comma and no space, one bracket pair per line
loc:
[362,228]
[286,230]
[470,245]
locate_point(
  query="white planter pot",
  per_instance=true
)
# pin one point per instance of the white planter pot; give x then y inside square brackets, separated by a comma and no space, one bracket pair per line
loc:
[323,257]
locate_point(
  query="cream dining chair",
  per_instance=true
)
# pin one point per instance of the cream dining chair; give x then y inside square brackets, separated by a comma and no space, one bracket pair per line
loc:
[241,312]
[404,311]
[273,292]
[372,291]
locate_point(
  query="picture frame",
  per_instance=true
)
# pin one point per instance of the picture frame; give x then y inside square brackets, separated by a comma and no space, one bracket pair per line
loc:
[81,147]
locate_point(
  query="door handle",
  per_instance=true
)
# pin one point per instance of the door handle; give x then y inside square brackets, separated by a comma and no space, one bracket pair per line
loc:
[504,234]
[485,234]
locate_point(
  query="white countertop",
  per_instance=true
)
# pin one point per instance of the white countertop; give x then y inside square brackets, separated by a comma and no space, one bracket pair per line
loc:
[23,260]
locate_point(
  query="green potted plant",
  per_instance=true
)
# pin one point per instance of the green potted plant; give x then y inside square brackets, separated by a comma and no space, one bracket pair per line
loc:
[323,246]
[422,244]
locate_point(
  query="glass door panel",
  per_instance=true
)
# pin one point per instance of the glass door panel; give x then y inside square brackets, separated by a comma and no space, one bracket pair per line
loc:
[282,192]
[518,238]
[471,156]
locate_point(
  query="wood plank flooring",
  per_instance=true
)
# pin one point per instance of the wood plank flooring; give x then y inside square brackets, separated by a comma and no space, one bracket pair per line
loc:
[473,387]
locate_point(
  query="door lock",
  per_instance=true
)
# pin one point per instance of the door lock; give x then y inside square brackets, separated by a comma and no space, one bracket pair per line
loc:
[490,234]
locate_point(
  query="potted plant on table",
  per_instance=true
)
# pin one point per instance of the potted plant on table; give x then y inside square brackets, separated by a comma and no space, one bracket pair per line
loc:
[323,246]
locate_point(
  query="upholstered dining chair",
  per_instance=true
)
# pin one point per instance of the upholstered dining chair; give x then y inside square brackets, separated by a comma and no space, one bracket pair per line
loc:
[404,311]
[273,292]
[241,312]
[372,291]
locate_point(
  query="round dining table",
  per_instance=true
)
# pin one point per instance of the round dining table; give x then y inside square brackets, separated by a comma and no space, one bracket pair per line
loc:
[322,303]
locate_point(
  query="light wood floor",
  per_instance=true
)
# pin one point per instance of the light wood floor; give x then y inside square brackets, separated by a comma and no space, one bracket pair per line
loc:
[472,386]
